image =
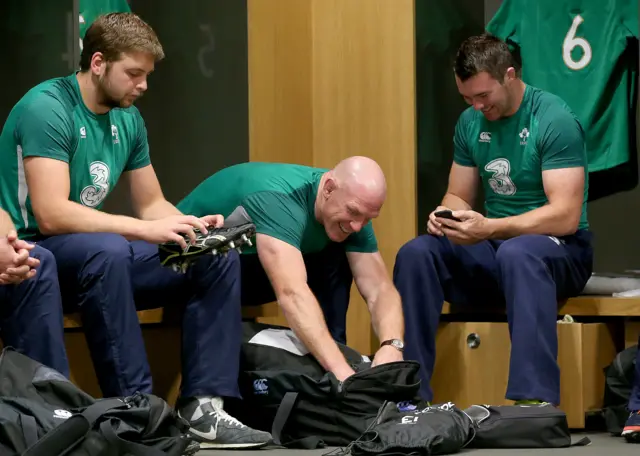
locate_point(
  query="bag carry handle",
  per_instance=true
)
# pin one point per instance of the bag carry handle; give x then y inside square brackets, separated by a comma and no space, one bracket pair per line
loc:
[69,433]
[280,421]
[29,429]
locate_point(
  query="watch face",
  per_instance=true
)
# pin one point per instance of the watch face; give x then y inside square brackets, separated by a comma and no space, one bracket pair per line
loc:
[397,343]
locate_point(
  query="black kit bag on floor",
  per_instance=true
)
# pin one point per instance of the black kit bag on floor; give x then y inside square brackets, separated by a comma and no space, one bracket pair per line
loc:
[618,384]
[288,393]
[43,413]
[521,426]
[415,429]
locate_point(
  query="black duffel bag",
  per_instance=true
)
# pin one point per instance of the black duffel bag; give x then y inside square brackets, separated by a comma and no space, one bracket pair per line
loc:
[288,393]
[415,429]
[44,414]
[521,426]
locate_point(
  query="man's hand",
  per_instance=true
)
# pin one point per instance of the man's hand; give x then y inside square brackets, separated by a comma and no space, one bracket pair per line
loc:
[386,354]
[215,221]
[170,229]
[343,373]
[472,228]
[433,226]
[16,265]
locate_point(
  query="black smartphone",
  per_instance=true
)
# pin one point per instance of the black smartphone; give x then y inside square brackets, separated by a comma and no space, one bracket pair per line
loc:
[447,214]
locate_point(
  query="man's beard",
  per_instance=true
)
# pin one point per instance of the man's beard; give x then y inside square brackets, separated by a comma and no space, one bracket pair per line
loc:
[105,97]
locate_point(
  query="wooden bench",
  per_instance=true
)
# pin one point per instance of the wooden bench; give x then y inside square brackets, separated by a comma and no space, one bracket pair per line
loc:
[472,362]
[156,316]
[463,375]
[162,341]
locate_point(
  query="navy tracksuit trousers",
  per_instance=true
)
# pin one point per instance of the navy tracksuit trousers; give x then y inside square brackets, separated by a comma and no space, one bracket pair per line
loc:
[528,273]
[107,278]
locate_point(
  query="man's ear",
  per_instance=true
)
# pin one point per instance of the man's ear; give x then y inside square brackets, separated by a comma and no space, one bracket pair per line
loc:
[330,186]
[98,63]
[511,74]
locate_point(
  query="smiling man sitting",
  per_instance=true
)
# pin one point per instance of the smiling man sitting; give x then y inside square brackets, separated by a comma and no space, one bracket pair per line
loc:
[314,237]
[532,248]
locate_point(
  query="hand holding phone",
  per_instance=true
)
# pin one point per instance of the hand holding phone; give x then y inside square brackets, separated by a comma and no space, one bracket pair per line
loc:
[433,227]
[446,213]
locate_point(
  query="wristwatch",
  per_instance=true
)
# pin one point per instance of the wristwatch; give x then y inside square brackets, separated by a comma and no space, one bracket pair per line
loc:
[396,343]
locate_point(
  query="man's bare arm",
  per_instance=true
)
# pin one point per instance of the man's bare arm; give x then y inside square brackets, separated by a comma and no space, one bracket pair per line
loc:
[49,186]
[6,224]
[564,188]
[462,189]
[286,270]
[381,296]
[147,198]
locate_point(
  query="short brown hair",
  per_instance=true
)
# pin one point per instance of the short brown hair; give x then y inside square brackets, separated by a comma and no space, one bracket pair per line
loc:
[484,53]
[116,33]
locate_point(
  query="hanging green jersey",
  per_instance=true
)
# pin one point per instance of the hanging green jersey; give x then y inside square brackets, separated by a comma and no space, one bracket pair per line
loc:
[91,9]
[579,50]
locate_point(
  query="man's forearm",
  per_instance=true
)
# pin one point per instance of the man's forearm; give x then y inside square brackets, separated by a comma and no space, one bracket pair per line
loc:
[6,224]
[546,220]
[306,319]
[386,314]
[158,210]
[455,203]
[69,217]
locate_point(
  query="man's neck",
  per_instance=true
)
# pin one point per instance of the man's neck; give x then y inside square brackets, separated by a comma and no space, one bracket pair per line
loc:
[316,206]
[89,93]
[518,95]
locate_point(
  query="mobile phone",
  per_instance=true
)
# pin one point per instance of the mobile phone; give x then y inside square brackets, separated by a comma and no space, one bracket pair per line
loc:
[447,214]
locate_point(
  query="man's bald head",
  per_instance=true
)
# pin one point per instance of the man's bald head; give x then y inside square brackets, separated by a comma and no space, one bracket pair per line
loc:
[363,177]
[349,196]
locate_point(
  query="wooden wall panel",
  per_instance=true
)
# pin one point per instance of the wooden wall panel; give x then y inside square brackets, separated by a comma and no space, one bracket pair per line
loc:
[334,78]
[363,104]
[280,81]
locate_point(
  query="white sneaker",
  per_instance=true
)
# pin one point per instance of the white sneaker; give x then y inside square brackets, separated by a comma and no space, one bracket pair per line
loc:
[214,428]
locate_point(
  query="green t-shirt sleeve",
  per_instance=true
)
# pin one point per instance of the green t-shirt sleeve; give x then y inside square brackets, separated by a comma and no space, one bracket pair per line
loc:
[561,142]
[45,129]
[505,23]
[139,157]
[278,215]
[364,241]
[461,152]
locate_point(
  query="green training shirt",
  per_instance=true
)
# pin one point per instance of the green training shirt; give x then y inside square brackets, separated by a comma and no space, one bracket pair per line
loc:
[280,200]
[52,121]
[511,153]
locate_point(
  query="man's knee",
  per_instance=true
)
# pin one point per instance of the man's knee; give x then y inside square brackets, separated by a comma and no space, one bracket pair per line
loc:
[521,248]
[419,247]
[47,269]
[104,249]
[219,265]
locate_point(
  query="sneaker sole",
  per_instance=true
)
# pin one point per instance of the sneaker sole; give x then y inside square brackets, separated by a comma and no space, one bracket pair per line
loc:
[232,446]
[632,434]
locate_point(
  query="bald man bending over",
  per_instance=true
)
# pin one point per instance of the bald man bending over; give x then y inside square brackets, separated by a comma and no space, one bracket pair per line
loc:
[314,237]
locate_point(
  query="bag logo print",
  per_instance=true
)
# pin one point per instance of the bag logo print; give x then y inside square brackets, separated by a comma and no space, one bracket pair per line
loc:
[260,386]
[62,414]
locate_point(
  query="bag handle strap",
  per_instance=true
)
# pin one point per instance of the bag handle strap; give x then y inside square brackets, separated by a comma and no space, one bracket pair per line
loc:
[584,441]
[280,421]
[29,429]
[69,433]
